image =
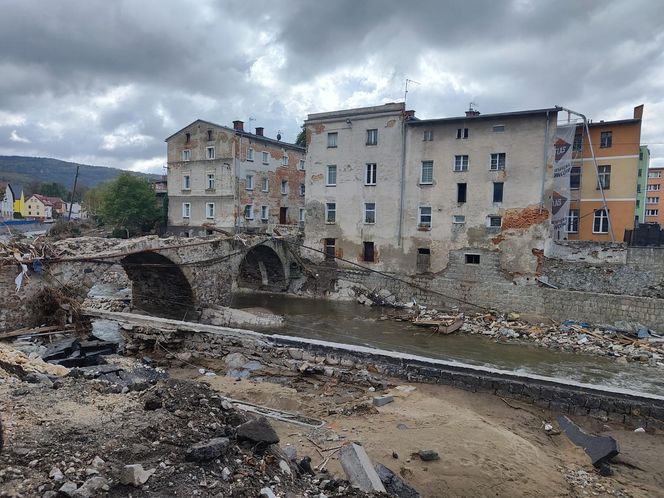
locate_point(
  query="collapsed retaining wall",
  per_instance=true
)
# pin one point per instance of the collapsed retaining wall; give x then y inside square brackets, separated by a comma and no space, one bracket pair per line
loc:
[350,361]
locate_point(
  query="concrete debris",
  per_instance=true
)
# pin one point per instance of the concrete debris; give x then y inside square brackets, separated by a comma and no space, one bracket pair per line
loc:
[383,400]
[135,475]
[428,455]
[600,449]
[395,485]
[257,432]
[358,468]
[268,493]
[639,429]
[91,488]
[207,450]
[68,489]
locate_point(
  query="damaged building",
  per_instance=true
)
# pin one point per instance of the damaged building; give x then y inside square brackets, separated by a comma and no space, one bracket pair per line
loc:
[397,193]
[229,178]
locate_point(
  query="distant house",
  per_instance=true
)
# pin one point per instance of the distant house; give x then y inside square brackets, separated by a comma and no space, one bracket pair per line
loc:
[44,207]
[77,212]
[13,202]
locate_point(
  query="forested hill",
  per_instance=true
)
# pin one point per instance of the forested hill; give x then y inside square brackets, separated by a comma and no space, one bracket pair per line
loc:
[27,170]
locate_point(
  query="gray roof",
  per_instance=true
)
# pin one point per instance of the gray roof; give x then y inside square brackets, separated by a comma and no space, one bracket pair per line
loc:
[500,115]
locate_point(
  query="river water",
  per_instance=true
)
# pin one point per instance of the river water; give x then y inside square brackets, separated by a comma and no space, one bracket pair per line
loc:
[352,323]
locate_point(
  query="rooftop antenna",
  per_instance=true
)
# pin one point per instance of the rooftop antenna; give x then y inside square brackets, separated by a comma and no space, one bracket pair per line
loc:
[405,93]
[473,106]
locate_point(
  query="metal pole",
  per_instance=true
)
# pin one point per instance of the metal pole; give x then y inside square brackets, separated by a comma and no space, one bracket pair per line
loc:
[71,197]
[592,151]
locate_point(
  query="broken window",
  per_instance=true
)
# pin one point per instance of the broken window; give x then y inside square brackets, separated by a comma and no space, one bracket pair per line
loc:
[187,137]
[601,221]
[461,192]
[498,191]
[372,137]
[368,252]
[497,161]
[330,212]
[330,248]
[606,139]
[462,133]
[575,178]
[424,217]
[209,135]
[332,139]
[370,212]
[426,173]
[209,152]
[472,259]
[604,179]
[331,180]
[370,176]
[423,259]
[461,163]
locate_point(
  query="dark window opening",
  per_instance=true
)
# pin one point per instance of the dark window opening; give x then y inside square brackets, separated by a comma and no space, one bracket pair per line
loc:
[368,252]
[472,259]
[330,248]
[606,139]
[578,142]
[187,137]
[209,132]
[498,191]
[461,192]
[575,178]
[423,259]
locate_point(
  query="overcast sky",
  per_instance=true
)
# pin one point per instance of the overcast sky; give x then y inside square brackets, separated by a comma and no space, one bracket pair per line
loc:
[104,82]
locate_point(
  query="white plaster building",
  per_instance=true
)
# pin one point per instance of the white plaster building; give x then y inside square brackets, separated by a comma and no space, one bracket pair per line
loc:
[477,184]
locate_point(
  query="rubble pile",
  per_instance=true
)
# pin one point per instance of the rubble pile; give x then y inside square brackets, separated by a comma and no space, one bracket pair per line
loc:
[626,341]
[80,437]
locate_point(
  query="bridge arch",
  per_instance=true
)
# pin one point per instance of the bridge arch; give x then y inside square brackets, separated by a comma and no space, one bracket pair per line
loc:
[159,286]
[263,268]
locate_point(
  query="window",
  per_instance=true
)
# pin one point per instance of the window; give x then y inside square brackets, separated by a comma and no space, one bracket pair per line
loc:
[606,139]
[498,191]
[331,179]
[575,178]
[424,217]
[461,192]
[498,128]
[265,187]
[332,139]
[210,181]
[641,156]
[650,188]
[302,164]
[187,138]
[284,160]
[604,177]
[578,142]
[370,176]
[573,221]
[458,219]
[497,161]
[266,158]
[460,163]
[209,210]
[654,174]
[186,210]
[209,135]
[330,251]
[209,152]
[249,183]
[423,259]
[284,186]
[250,154]
[372,137]
[302,187]
[186,182]
[652,200]
[368,252]
[462,133]
[186,155]
[264,213]
[330,212]
[601,221]
[495,222]
[428,135]
[472,259]
[302,214]
[426,173]
[249,212]
[652,212]
[369,212]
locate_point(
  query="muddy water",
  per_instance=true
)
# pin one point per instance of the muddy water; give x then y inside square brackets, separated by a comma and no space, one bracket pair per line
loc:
[351,323]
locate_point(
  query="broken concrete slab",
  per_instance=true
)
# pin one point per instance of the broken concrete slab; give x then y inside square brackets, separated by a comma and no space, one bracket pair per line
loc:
[207,450]
[135,475]
[357,466]
[394,484]
[257,431]
[383,400]
[600,449]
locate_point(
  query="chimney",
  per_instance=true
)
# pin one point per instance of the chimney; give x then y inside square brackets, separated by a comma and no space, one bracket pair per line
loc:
[409,114]
[259,131]
[238,125]
[472,113]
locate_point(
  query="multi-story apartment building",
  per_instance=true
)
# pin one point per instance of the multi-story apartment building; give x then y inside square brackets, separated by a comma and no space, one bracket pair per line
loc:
[654,209]
[616,145]
[401,194]
[229,178]
[641,185]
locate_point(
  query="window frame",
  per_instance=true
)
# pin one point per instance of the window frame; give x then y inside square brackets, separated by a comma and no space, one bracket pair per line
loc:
[602,220]
[575,174]
[496,165]
[606,139]
[462,192]
[422,166]
[420,215]
[332,140]
[284,187]
[211,181]
[302,189]
[490,221]
[249,182]
[284,160]
[370,173]
[458,219]
[604,177]
[372,136]
[250,154]
[186,210]
[652,212]
[498,128]
[265,184]
[427,136]
[501,191]
[265,157]
[301,215]
[208,156]
[462,133]
[459,165]
[301,165]
[367,211]
[330,207]
[249,212]
[649,200]
[328,169]
[186,181]
[573,220]
[186,155]
[365,245]
[265,212]
[209,216]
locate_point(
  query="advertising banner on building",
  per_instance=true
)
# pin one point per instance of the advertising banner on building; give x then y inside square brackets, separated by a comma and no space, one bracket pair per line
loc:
[562,165]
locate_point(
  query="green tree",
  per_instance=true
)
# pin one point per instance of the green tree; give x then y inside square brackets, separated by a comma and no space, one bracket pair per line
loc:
[301,139]
[129,204]
[93,198]
[53,189]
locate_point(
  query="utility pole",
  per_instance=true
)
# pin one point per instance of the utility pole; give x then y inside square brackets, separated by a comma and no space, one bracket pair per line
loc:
[73,191]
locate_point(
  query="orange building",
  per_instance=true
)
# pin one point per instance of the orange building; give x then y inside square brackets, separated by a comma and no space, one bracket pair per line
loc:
[616,146]
[654,190]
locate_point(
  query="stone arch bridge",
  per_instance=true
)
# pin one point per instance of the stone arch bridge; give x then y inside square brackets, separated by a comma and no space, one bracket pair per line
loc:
[170,277]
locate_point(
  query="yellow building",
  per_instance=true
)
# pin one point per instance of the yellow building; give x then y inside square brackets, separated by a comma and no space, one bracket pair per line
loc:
[616,147]
[19,200]
[39,206]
